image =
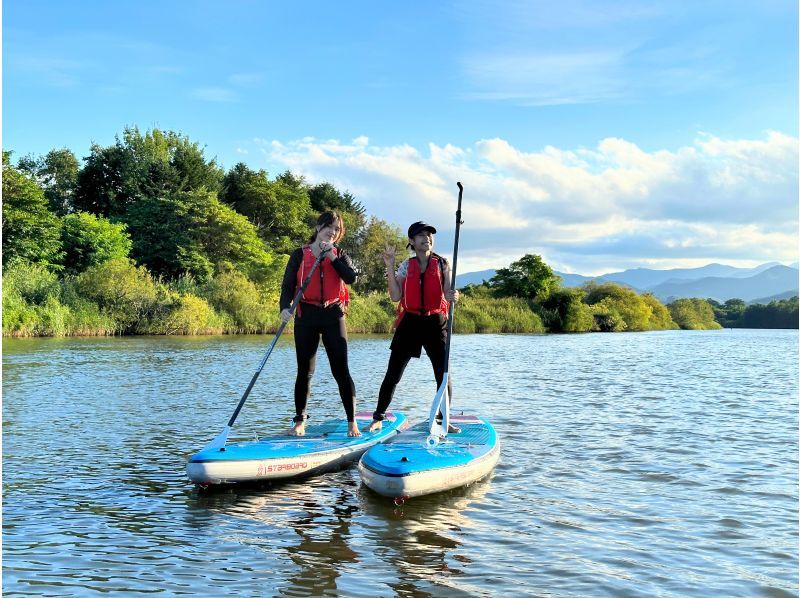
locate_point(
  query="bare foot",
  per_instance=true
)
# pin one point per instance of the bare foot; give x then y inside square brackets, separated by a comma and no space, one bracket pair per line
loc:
[352,429]
[298,429]
[374,426]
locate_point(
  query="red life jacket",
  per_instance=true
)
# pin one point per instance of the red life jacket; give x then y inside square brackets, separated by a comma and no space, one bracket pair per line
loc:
[423,292]
[326,287]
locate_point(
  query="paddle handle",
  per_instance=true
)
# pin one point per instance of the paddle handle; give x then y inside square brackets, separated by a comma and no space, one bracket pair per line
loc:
[451,304]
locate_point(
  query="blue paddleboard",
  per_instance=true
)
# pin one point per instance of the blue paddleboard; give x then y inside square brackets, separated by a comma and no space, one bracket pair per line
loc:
[325,446]
[411,465]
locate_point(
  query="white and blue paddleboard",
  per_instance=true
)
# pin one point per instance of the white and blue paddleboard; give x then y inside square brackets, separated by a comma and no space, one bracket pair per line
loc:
[325,446]
[410,464]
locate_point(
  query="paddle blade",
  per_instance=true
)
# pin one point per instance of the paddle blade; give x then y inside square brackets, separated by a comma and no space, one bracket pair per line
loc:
[439,404]
[219,441]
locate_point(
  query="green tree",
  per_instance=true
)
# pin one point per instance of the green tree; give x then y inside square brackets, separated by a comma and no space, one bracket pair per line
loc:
[88,240]
[57,174]
[151,165]
[659,317]
[564,311]
[31,231]
[617,308]
[280,210]
[194,233]
[529,277]
[776,314]
[123,291]
[693,314]
[326,197]
[368,255]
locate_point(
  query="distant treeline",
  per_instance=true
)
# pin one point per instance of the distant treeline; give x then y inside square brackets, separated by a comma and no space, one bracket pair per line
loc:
[735,313]
[149,236]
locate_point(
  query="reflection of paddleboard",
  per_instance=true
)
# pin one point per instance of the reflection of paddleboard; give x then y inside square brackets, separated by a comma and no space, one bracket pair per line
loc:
[324,447]
[409,465]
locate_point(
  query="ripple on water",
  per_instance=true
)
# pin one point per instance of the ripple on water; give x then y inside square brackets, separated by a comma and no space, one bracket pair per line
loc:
[636,465]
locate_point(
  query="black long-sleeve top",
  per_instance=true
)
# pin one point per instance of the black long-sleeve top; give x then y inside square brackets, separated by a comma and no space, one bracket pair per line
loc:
[342,264]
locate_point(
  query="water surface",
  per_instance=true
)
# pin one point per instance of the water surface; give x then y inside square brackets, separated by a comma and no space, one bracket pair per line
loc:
[642,464]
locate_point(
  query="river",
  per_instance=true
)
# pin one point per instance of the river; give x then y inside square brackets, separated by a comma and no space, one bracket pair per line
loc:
[636,464]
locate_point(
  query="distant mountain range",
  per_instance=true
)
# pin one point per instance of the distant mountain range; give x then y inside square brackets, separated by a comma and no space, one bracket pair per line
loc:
[762,284]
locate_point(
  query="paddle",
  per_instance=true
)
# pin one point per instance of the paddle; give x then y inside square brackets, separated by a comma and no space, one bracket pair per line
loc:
[222,437]
[441,402]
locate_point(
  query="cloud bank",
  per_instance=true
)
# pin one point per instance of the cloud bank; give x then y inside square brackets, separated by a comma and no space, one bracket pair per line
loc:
[585,210]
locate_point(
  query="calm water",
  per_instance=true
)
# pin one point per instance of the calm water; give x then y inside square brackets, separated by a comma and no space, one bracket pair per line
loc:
[632,465]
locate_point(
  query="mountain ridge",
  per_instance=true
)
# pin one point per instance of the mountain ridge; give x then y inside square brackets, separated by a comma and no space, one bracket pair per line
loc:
[714,281]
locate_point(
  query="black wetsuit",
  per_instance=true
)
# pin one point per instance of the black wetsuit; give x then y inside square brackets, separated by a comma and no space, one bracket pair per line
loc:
[312,322]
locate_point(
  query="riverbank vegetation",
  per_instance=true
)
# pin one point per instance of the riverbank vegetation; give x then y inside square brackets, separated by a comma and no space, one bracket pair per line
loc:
[149,236]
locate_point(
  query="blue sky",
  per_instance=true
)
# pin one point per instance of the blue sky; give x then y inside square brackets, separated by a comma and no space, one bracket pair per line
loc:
[601,135]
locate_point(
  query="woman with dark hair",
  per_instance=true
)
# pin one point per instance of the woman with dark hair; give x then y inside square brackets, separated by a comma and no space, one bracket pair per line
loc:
[320,314]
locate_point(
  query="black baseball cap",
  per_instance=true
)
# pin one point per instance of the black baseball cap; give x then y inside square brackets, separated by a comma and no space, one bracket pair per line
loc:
[418,227]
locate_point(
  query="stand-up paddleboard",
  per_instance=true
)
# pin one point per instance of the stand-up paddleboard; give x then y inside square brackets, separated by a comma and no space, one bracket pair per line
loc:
[325,447]
[411,465]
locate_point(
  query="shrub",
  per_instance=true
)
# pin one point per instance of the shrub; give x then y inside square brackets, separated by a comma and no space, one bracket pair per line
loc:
[369,313]
[565,311]
[193,315]
[124,292]
[88,240]
[618,308]
[230,292]
[486,314]
[693,314]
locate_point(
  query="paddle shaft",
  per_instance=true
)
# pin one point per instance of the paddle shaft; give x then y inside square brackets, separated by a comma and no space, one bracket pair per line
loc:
[451,304]
[292,307]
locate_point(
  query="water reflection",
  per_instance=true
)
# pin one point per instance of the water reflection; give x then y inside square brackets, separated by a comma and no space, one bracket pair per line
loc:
[318,530]
[422,539]
[311,521]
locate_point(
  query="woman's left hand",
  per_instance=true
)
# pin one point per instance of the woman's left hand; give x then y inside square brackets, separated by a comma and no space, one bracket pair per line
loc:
[452,295]
[327,247]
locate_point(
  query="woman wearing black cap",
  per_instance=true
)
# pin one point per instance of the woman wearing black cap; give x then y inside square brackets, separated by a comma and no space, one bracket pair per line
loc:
[422,286]
[320,314]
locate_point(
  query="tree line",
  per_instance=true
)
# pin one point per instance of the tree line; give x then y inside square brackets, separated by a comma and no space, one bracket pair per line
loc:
[150,236]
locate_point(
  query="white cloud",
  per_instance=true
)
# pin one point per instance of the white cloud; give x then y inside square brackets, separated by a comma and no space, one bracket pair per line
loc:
[612,206]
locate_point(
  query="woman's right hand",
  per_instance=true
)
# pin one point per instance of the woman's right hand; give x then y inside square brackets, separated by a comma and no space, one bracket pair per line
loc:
[286,315]
[389,255]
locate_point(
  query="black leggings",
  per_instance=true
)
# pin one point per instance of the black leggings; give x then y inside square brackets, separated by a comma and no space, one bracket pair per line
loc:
[329,324]
[398,361]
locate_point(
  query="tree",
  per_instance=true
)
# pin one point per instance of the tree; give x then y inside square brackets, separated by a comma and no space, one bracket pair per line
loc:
[88,240]
[194,233]
[326,197]
[137,166]
[659,317]
[57,174]
[31,232]
[279,210]
[368,257]
[693,314]
[121,290]
[776,314]
[528,277]
[617,307]
[564,311]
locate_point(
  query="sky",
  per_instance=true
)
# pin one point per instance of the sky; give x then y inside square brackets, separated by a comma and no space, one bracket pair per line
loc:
[601,135]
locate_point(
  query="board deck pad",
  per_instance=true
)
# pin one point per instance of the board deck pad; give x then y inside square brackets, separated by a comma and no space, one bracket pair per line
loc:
[408,453]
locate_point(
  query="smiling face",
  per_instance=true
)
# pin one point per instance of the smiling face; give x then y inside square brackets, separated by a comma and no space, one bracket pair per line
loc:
[329,233]
[423,241]
[329,228]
